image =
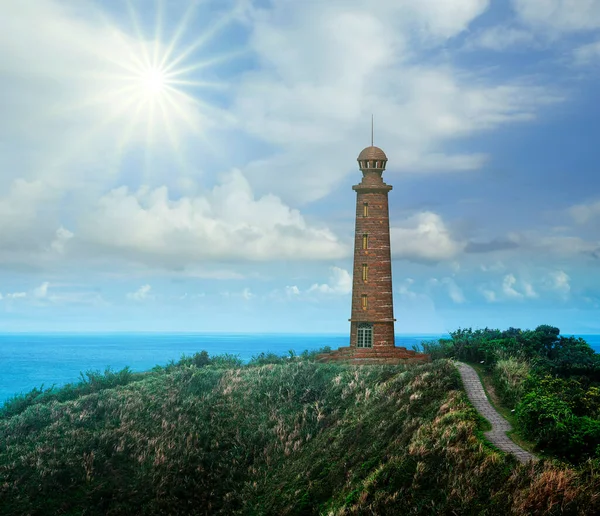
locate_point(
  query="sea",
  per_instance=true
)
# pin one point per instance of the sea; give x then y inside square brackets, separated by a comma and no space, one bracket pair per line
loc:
[41,360]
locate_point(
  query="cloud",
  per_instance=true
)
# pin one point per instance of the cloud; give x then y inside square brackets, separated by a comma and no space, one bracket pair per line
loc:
[507,287]
[25,224]
[558,246]
[228,223]
[41,292]
[585,212]
[559,15]
[62,237]
[141,294]
[292,291]
[490,295]
[454,291]
[500,38]
[559,281]
[424,237]
[340,283]
[245,294]
[491,246]
[587,54]
[495,267]
[508,284]
[14,295]
[315,89]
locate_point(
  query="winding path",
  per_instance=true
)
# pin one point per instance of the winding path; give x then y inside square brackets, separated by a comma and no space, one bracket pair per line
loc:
[497,435]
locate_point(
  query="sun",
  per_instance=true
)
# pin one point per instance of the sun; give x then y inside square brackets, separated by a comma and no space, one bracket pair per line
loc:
[152,82]
[151,92]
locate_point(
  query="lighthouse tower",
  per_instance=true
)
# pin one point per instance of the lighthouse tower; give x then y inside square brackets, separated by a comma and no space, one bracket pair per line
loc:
[372,315]
[372,319]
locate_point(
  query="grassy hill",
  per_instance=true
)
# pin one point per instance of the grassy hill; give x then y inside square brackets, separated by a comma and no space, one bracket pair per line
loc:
[210,436]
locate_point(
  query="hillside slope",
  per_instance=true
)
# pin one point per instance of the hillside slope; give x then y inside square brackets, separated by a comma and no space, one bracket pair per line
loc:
[293,438]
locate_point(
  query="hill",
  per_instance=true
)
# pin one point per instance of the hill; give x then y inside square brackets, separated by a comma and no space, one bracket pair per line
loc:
[212,436]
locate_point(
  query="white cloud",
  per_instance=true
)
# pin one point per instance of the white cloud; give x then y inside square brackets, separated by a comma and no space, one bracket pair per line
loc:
[41,292]
[528,290]
[315,91]
[454,291]
[340,282]
[495,267]
[508,288]
[228,223]
[559,15]
[141,294]
[245,294]
[559,281]
[15,295]
[424,237]
[62,237]
[25,224]
[489,295]
[500,38]
[585,212]
[292,291]
[559,246]
[587,54]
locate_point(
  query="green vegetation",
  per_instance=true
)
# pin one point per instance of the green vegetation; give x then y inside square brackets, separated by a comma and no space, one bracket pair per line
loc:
[551,381]
[281,435]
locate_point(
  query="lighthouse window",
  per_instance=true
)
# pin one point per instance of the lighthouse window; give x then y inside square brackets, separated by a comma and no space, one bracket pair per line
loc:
[365,270]
[365,335]
[364,302]
[366,209]
[365,241]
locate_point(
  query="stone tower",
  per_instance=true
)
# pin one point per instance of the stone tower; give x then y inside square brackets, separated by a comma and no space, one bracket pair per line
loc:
[372,317]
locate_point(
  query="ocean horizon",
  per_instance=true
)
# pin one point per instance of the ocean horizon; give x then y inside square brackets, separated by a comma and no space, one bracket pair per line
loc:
[30,360]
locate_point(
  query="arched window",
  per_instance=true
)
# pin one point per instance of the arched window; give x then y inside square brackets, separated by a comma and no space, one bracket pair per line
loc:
[365,209]
[365,335]
[365,241]
[365,272]
[364,301]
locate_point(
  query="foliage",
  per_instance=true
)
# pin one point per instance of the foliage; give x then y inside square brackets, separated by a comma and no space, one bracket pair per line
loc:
[552,381]
[90,382]
[297,437]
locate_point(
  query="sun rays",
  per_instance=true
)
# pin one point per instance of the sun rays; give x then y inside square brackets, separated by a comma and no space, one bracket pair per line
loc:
[151,88]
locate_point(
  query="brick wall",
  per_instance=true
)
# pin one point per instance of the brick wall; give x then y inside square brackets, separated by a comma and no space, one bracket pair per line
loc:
[377,256]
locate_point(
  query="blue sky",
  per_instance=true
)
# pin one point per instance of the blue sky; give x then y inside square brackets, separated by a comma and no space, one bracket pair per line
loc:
[187,166]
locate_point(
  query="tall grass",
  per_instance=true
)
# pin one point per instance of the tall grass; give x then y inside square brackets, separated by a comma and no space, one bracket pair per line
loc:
[510,375]
[295,437]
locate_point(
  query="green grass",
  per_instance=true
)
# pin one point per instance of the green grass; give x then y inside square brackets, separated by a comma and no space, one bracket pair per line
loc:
[281,436]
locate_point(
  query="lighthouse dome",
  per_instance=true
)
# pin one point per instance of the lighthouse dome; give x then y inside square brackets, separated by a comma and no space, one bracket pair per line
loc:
[372,152]
[372,158]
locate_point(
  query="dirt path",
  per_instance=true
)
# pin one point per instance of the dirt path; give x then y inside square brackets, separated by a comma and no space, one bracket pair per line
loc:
[497,435]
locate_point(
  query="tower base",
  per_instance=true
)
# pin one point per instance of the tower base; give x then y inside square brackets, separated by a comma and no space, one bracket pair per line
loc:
[389,355]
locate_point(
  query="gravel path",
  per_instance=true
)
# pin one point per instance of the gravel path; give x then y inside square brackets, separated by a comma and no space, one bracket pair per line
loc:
[497,435]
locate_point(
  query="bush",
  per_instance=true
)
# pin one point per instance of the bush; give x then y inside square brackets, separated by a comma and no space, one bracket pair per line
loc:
[90,382]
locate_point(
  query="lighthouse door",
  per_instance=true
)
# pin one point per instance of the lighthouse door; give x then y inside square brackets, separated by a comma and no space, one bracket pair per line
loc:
[365,335]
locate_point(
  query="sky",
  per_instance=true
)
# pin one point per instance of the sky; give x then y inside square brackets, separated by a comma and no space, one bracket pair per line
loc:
[178,165]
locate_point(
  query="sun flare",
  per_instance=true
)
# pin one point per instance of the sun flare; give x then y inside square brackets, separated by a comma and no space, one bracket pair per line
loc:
[152,91]
[153,82]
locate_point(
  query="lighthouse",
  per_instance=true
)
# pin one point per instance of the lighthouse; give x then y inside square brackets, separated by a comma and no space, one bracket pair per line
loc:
[372,320]
[372,315]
